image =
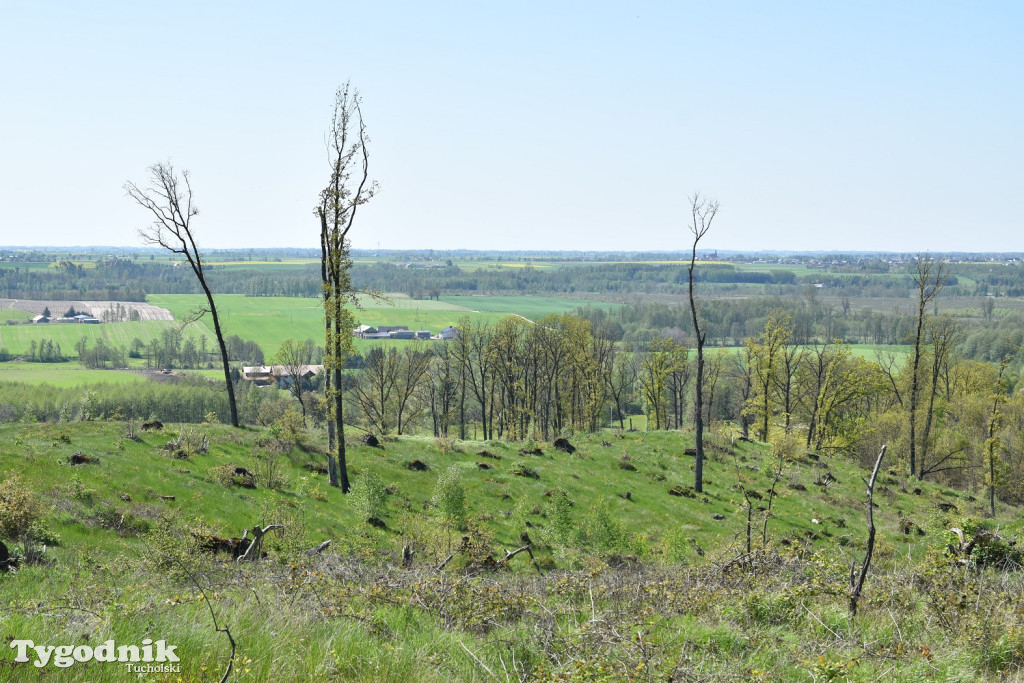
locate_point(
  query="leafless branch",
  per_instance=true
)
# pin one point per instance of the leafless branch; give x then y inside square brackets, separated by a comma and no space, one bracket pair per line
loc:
[857,584]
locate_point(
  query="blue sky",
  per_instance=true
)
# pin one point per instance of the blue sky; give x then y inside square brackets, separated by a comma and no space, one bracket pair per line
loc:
[544,125]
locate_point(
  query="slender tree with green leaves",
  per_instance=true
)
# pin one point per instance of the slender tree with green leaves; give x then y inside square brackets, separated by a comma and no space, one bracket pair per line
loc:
[349,188]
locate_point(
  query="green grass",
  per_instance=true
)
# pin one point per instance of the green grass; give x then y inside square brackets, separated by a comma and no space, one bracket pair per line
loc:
[796,269]
[70,374]
[269,321]
[354,614]
[871,351]
[532,307]
[26,265]
[14,314]
[18,338]
[593,476]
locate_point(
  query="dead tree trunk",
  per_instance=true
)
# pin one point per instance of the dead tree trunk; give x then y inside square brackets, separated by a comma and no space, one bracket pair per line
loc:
[857,582]
[173,210]
[255,548]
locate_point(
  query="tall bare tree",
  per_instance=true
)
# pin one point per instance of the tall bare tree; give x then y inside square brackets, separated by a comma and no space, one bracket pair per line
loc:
[168,197]
[929,277]
[702,213]
[349,188]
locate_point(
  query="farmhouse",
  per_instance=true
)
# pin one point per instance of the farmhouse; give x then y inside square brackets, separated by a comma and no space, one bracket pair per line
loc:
[265,375]
[402,332]
[41,319]
[81,318]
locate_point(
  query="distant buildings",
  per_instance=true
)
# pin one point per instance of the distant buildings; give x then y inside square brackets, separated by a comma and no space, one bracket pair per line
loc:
[402,332]
[81,319]
[265,375]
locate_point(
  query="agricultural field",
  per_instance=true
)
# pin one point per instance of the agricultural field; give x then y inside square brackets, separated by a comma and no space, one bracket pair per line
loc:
[17,339]
[269,321]
[866,351]
[98,309]
[14,315]
[69,374]
[796,269]
[531,307]
[27,265]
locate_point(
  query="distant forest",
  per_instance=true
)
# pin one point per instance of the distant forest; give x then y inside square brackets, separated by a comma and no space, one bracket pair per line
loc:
[124,279]
[856,301]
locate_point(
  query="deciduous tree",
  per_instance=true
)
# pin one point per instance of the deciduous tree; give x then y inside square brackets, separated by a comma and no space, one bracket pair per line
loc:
[168,197]
[348,188]
[929,278]
[702,213]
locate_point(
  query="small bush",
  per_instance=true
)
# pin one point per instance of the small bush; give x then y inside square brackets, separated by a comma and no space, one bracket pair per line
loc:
[190,442]
[308,487]
[171,549]
[559,518]
[604,531]
[289,427]
[232,475]
[369,497]
[269,469]
[450,497]
[122,523]
[521,470]
[20,509]
[447,445]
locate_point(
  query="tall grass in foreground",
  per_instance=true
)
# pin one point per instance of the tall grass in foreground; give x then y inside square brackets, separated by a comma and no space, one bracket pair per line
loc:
[770,616]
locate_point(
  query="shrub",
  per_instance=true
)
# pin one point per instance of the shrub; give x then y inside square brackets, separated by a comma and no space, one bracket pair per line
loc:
[604,530]
[190,442]
[289,426]
[521,470]
[450,497]
[446,445]
[369,497]
[559,517]
[269,468]
[232,475]
[20,509]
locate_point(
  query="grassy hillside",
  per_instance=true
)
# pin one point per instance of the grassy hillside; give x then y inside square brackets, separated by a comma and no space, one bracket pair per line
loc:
[630,582]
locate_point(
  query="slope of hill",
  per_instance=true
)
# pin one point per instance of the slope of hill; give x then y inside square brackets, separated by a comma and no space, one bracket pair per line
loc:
[633,574]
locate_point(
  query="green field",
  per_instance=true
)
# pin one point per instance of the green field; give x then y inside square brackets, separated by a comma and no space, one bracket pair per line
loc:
[532,307]
[18,338]
[26,265]
[796,269]
[14,314]
[70,374]
[269,321]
